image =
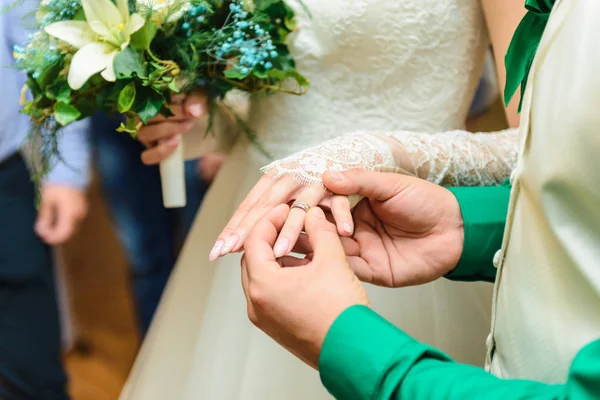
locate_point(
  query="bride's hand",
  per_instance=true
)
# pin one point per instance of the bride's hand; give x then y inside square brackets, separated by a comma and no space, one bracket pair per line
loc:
[269,193]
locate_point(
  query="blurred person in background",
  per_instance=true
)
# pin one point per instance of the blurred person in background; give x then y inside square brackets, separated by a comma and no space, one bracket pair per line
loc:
[30,354]
[150,234]
[487,92]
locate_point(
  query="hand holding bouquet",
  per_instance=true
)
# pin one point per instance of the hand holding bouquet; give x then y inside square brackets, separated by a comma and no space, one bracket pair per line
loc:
[130,56]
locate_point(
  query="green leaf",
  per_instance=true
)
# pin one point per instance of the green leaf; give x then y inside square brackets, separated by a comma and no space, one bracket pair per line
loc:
[173,86]
[290,23]
[235,73]
[79,15]
[33,87]
[60,91]
[48,76]
[261,5]
[126,98]
[142,39]
[130,126]
[147,104]
[64,113]
[166,111]
[129,63]
[260,74]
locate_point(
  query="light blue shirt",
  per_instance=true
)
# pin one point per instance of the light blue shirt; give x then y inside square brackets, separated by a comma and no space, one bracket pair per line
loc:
[74,146]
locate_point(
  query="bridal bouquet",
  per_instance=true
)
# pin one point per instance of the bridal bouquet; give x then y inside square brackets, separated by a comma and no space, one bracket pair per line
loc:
[130,56]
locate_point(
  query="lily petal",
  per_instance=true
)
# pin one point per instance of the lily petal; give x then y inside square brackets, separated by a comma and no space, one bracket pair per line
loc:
[123,7]
[101,15]
[76,33]
[136,22]
[109,73]
[88,61]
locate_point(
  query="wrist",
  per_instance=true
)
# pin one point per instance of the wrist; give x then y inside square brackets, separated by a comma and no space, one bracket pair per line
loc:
[317,337]
[484,211]
[455,231]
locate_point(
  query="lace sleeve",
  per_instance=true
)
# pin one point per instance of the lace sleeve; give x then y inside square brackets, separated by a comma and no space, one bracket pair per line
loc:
[453,158]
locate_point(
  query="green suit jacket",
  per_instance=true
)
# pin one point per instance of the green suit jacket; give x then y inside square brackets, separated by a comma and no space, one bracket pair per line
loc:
[366,357]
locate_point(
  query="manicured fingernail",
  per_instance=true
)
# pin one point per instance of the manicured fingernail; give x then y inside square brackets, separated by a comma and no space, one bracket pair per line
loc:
[196,110]
[281,247]
[174,141]
[348,227]
[335,175]
[317,212]
[230,243]
[216,250]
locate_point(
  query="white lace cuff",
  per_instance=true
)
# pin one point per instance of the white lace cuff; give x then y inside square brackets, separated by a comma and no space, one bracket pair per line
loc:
[450,158]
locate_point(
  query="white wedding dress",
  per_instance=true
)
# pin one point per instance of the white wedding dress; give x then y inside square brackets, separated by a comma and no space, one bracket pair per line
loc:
[407,69]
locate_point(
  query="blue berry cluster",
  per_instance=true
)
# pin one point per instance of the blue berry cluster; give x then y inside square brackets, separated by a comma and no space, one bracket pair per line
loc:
[194,16]
[36,55]
[58,10]
[247,42]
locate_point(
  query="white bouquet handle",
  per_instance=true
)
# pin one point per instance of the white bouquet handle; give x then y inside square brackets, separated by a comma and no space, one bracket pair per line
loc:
[172,177]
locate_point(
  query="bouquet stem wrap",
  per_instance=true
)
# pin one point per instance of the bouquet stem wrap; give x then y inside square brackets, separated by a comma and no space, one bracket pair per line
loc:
[172,177]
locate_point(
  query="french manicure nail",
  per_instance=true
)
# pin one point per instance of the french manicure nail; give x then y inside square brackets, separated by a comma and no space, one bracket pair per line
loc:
[216,250]
[281,247]
[230,243]
[196,110]
[348,227]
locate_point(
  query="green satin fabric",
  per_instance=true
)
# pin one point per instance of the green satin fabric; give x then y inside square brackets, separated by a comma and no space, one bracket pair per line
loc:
[523,47]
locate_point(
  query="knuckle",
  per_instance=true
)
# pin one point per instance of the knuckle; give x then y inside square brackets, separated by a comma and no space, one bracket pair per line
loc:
[257,295]
[244,209]
[253,316]
[280,190]
[245,227]
[226,232]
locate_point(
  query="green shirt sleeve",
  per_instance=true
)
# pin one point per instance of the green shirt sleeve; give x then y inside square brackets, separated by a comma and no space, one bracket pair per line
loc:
[366,357]
[484,210]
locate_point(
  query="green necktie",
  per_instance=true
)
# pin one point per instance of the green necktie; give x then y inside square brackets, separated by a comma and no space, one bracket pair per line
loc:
[523,47]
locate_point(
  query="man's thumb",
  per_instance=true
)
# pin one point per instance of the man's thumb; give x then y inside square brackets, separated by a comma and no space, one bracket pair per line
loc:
[323,236]
[379,186]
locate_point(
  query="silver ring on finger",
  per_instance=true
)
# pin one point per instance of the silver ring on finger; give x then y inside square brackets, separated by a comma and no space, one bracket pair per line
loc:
[301,205]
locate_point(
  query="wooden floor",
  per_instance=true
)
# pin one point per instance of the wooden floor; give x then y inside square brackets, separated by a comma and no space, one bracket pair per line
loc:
[100,302]
[101,309]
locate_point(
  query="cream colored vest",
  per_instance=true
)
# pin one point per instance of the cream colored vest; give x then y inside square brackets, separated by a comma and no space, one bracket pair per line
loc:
[547,297]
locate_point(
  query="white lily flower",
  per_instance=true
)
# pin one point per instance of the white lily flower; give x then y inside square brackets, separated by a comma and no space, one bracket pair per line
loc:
[161,8]
[105,33]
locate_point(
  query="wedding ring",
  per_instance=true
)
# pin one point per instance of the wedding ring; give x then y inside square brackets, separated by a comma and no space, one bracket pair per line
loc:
[301,205]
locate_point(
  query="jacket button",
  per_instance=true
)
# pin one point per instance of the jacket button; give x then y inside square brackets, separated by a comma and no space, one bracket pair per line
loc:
[497,257]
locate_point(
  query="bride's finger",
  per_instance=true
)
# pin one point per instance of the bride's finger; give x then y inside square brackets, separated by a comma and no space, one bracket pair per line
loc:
[266,195]
[258,191]
[295,221]
[342,213]
[351,247]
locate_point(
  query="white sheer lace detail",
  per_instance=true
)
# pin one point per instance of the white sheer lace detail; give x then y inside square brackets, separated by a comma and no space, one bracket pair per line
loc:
[355,150]
[450,158]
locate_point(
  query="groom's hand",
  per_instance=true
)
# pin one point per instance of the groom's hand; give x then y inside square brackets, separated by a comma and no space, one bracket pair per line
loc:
[408,231]
[162,135]
[292,300]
